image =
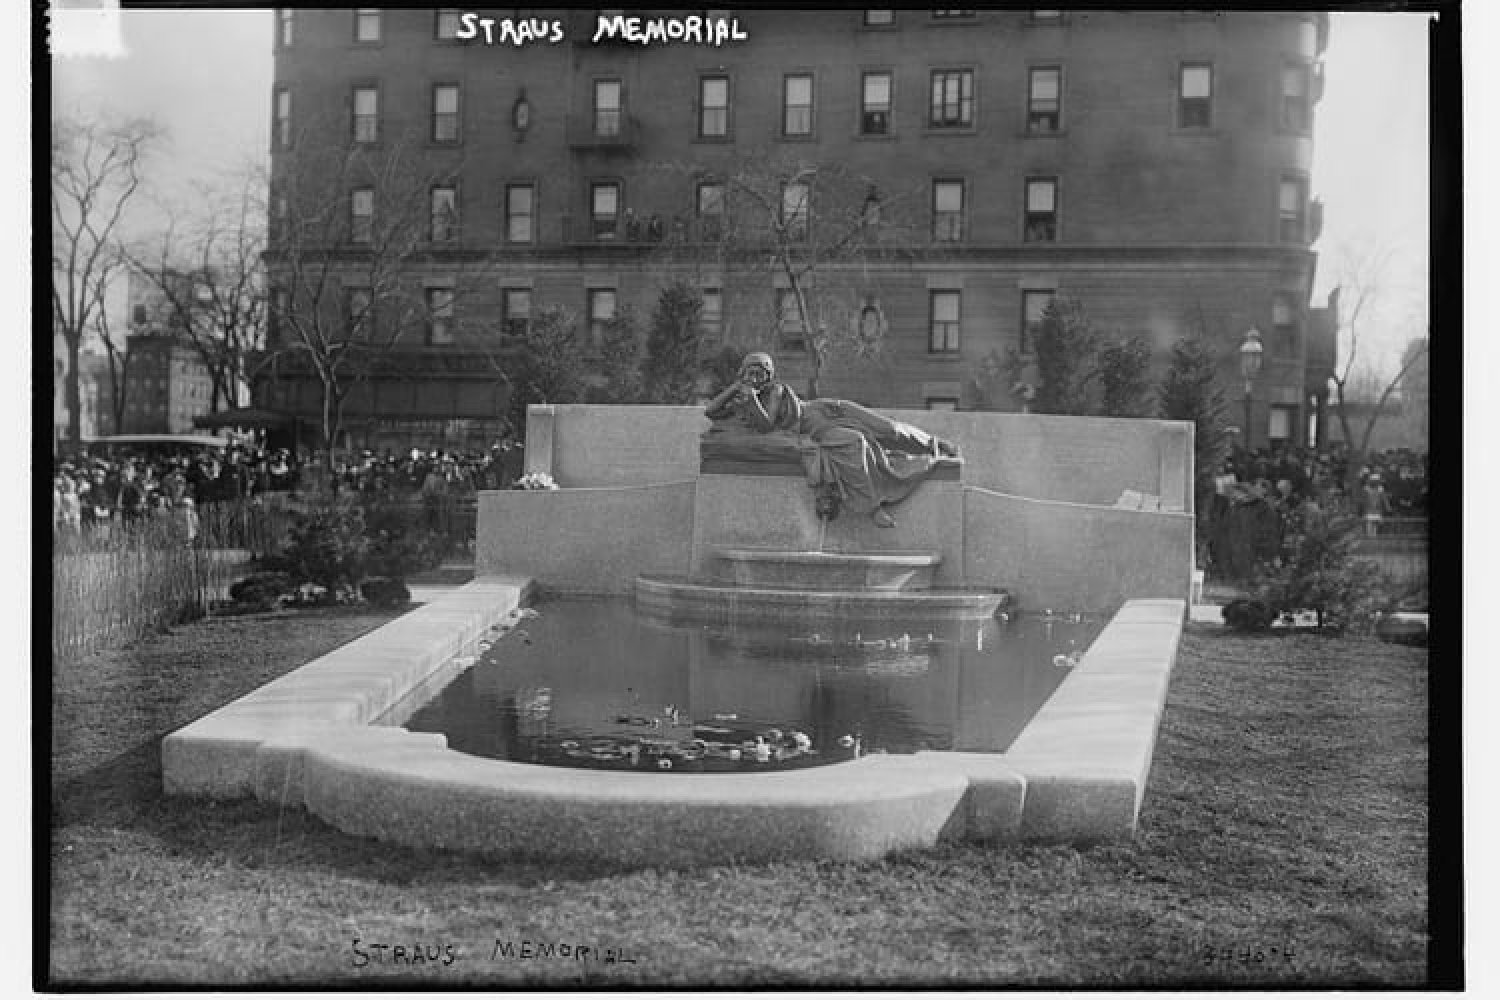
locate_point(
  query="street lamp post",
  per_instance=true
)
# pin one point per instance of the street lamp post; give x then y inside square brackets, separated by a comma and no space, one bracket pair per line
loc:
[1250,359]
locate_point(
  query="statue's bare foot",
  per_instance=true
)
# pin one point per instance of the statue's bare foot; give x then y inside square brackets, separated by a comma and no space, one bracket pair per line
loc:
[883,518]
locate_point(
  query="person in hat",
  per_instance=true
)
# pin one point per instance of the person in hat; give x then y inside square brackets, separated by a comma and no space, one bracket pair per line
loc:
[1375,502]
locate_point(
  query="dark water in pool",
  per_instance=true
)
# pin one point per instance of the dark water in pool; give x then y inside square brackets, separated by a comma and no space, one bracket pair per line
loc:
[589,683]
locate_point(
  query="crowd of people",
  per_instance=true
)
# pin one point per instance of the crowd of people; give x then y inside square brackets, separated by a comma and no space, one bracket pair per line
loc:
[1388,483]
[1266,499]
[429,473]
[95,491]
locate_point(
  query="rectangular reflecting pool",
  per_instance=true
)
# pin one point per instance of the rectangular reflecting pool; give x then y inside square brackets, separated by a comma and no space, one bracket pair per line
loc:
[592,683]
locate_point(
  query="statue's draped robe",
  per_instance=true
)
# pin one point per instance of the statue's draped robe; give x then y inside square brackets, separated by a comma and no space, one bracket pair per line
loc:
[869,459]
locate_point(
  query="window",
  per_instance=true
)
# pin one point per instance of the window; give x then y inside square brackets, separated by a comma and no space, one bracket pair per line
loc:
[942,403]
[879,18]
[711,316]
[286,20]
[1281,420]
[1195,95]
[367,24]
[1046,15]
[520,201]
[713,107]
[1292,210]
[366,114]
[875,104]
[445,112]
[357,314]
[1033,310]
[515,311]
[445,25]
[604,209]
[439,315]
[947,211]
[1041,210]
[281,216]
[275,315]
[1284,339]
[361,215]
[444,213]
[871,323]
[943,310]
[1044,101]
[1296,106]
[602,303]
[952,99]
[797,105]
[607,106]
[794,210]
[710,211]
[282,132]
[789,329]
[951,15]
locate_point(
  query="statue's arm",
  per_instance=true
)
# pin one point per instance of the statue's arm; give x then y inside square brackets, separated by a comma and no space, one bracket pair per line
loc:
[721,406]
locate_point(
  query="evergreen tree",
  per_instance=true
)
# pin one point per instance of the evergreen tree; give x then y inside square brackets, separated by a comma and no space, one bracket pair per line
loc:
[670,368]
[1124,378]
[1189,390]
[1064,346]
[620,360]
[547,366]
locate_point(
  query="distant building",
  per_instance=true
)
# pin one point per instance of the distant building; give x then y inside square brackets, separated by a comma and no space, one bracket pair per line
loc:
[1153,165]
[88,402]
[166,382]
[166,386]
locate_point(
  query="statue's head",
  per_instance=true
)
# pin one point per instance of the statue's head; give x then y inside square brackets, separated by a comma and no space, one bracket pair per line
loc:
[757,369]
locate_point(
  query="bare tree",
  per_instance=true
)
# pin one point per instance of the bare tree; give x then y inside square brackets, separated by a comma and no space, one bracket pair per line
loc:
[116,352]
[351,230]
[96,173]
[208,269]
[814,232]
[1363,279]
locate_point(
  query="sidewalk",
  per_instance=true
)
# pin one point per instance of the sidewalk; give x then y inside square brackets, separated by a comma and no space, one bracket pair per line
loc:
[431,584]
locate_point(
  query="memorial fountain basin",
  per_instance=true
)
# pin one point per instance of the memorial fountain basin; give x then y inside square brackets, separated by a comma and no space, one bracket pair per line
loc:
[829,571]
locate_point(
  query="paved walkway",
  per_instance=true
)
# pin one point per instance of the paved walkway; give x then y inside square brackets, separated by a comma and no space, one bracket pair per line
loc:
[1206,614]
[431,584]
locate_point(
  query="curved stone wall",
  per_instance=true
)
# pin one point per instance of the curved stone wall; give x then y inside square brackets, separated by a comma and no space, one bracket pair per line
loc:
[1077,772]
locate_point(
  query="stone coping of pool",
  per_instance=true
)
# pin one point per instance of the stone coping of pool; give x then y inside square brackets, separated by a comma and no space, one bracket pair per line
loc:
[1077,773]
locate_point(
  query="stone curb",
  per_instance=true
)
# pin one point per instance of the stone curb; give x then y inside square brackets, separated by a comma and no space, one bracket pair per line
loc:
[310,738]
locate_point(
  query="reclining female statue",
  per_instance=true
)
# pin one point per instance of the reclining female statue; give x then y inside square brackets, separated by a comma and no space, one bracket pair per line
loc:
[853,454]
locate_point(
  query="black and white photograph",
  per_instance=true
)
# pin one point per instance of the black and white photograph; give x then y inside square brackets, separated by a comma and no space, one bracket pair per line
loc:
[823,499]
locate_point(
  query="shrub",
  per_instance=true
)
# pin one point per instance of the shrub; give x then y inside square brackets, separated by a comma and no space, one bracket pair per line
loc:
[1321,575]
[400,544]
[328,546]
[384,592]
[1246,614]
[264,589]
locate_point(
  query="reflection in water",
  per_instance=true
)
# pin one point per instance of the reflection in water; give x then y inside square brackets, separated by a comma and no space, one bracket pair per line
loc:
[599,686]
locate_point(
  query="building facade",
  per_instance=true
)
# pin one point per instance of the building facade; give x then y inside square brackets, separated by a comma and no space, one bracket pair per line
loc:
[1153,166]
[166,387]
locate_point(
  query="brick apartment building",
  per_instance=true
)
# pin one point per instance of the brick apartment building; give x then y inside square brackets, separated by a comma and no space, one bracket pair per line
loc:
[1152,165]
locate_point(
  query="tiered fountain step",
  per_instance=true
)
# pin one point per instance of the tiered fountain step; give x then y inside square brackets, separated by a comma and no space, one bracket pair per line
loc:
[773,568]
[769,583]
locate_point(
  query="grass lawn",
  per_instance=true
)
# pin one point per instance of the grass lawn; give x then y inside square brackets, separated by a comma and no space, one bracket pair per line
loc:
[1283,843]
